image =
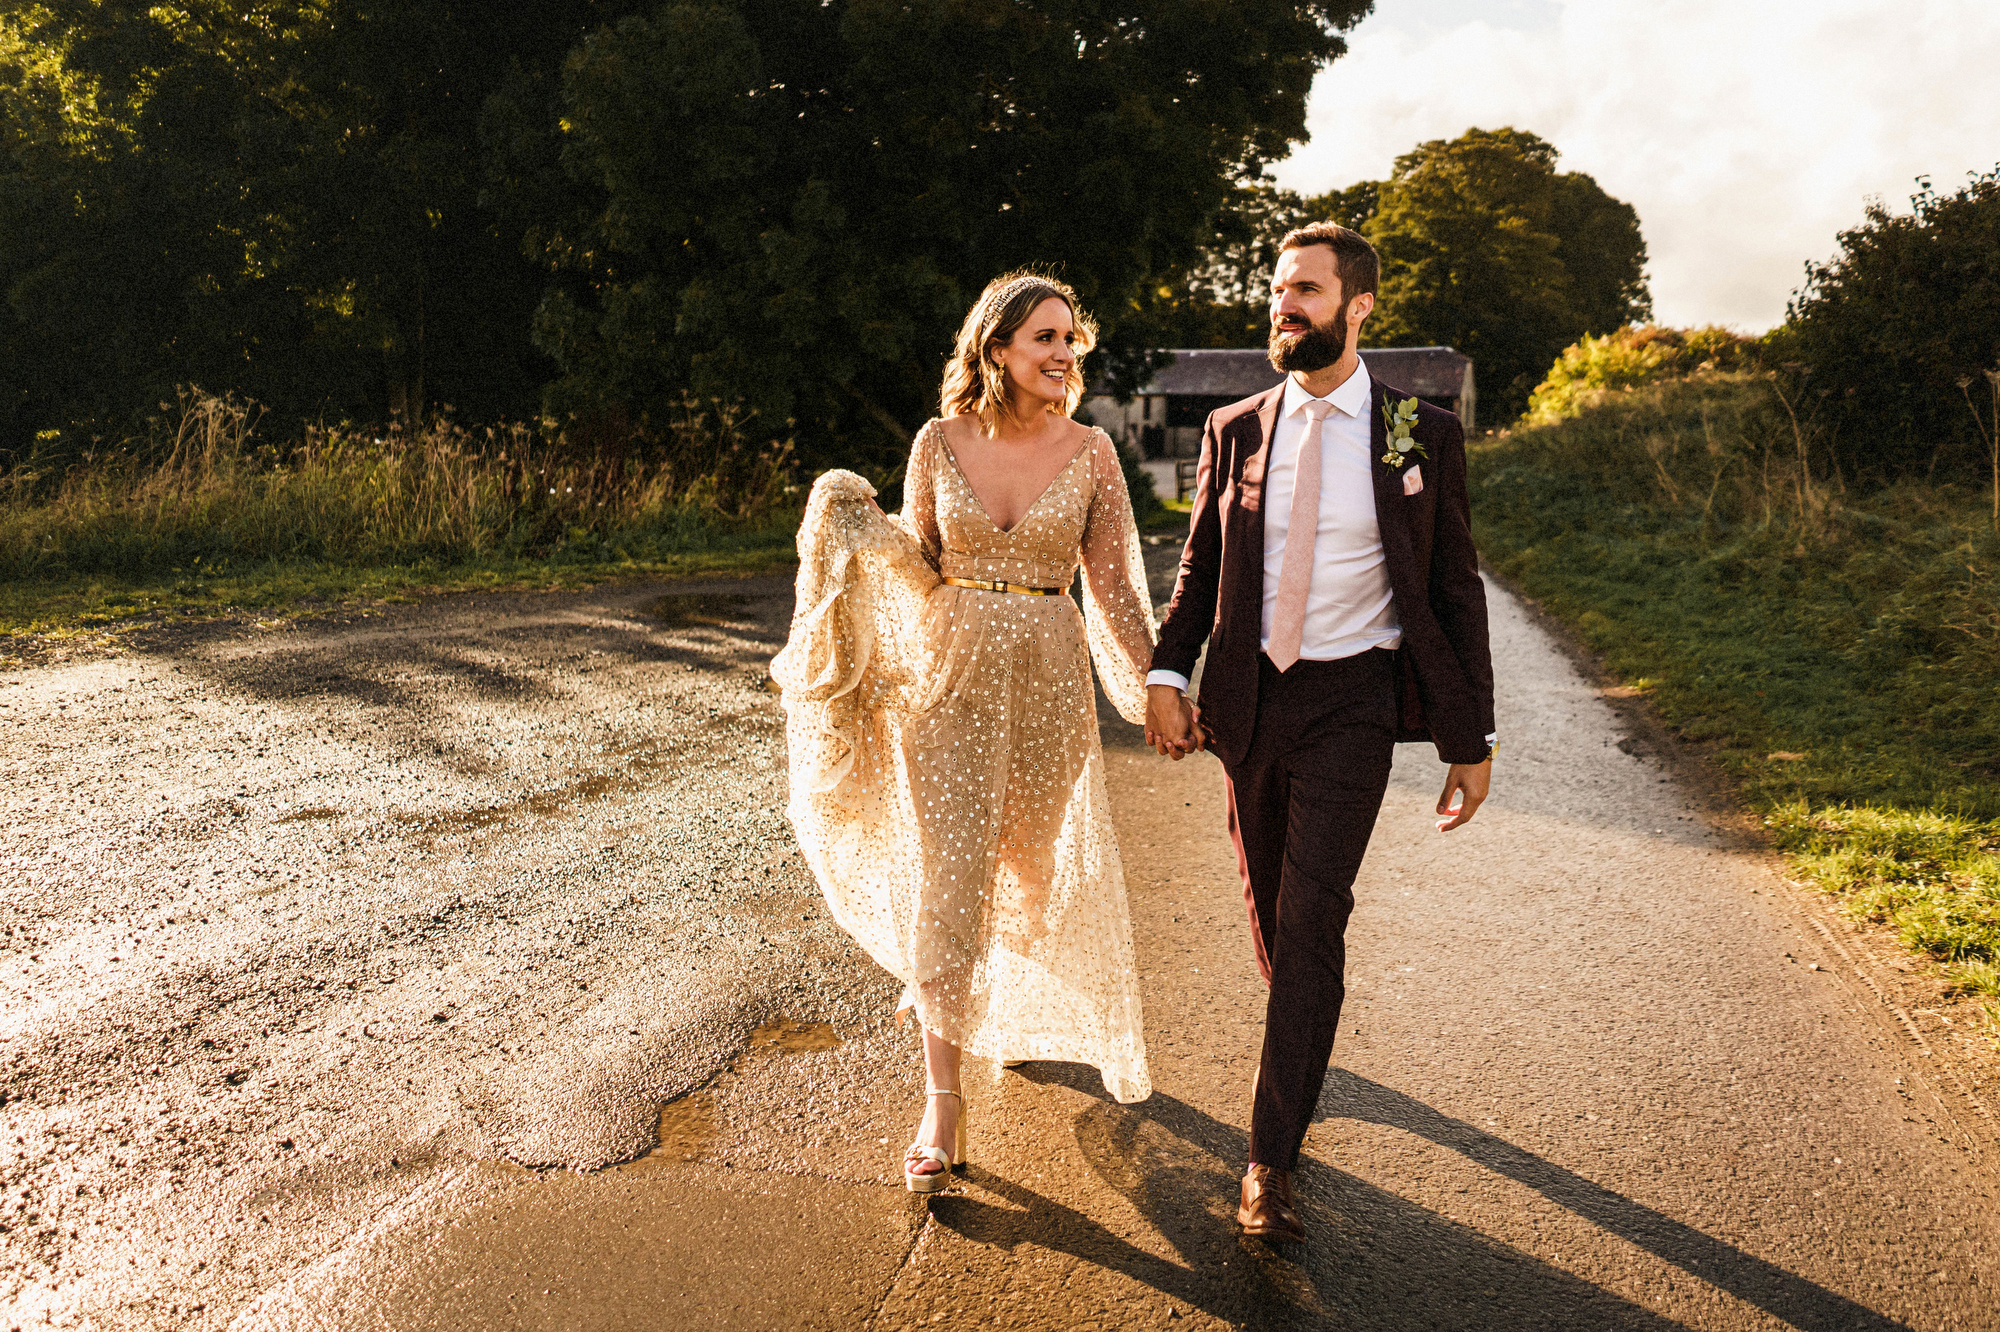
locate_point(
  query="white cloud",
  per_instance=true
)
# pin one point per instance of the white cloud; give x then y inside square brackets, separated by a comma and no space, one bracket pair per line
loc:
[1747,133]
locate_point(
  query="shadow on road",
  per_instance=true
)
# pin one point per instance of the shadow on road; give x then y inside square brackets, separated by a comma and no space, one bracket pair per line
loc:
[418,671]
[1374,1259]
[1806,1306]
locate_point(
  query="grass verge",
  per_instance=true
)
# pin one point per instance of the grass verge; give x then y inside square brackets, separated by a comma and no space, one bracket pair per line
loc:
[1835,651]
[209,518]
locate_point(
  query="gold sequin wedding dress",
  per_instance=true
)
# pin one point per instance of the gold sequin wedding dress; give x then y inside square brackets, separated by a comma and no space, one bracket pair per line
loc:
[947,784]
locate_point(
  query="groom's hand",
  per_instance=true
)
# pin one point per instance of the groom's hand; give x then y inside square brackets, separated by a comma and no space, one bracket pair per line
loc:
[1170,722]
[1469,781]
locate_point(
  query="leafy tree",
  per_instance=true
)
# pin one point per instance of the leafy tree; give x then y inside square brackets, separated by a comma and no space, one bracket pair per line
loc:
[1890,326]
[342,206]
[280,197]
[794,203]
[1222,300]
[1487,248]
[1351,207]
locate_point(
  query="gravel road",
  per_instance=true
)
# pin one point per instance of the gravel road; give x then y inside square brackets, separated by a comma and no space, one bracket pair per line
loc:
[452,967]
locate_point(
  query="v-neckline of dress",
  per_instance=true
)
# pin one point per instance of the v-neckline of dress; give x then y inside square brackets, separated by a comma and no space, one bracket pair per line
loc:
[980,504]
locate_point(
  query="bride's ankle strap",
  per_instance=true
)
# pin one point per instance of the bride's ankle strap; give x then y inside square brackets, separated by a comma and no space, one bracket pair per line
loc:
[945,1091]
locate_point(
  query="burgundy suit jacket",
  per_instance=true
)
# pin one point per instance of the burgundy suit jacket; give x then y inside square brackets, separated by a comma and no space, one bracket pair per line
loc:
[1445,665]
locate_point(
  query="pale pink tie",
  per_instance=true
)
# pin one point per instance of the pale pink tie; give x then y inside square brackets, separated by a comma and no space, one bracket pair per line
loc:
[1288,613]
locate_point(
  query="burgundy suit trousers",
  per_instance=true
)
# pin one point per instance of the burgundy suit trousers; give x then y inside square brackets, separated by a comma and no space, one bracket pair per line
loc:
[1302,805]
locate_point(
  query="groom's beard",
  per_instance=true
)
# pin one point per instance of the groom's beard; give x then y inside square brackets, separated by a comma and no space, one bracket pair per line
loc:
[1315,349]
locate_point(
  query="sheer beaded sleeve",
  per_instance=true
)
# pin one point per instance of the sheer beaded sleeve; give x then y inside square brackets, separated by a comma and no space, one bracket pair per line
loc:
[919,515]
[1116,605]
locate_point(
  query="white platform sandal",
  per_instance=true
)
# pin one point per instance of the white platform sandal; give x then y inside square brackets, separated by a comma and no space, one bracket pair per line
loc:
[938,1180]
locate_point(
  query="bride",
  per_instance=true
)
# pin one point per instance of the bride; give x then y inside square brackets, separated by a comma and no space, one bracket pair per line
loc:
[947,785]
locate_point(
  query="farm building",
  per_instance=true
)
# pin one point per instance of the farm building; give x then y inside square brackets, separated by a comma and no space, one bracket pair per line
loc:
[1164,419]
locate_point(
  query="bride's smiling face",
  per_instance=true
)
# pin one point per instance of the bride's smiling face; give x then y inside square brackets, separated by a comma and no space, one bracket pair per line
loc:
[1037,359]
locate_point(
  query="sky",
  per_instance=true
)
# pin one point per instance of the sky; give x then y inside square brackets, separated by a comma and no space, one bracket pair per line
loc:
[1747,133]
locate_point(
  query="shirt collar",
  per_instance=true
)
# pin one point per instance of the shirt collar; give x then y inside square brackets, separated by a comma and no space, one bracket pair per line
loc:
[1351,397]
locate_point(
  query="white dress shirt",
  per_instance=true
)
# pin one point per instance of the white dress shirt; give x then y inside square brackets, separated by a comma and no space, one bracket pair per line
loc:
[1349,608]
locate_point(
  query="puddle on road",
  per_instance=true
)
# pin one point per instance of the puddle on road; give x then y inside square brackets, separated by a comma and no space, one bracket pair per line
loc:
[712,610]
[794,1037]
[688,1123]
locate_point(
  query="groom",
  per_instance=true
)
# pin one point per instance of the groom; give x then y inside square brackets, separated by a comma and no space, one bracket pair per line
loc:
[1330,560]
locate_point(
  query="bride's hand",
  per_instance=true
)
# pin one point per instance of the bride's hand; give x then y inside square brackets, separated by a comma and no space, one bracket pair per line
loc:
[1170,722]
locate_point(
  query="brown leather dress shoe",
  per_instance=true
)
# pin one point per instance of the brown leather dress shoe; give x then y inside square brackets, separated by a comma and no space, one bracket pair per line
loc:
[1268,1210]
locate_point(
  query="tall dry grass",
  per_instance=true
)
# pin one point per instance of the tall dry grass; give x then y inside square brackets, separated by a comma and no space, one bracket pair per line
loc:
[210,489]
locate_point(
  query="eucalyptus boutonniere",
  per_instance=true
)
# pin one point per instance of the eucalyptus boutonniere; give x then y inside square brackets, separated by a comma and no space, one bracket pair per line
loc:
[1401,416]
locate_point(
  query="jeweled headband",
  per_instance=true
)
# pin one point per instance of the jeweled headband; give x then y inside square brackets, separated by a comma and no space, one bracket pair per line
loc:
[1022,283]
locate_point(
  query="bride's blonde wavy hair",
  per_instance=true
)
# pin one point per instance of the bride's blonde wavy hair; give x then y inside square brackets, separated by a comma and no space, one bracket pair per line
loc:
[974,382]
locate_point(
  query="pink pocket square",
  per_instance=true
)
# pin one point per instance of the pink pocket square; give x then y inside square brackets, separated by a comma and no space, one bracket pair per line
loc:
[1413,480]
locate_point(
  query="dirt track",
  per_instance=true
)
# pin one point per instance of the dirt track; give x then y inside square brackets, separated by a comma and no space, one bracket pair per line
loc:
[452,967]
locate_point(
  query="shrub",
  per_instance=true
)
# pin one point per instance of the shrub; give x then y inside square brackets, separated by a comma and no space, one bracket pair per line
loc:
[1629,357]
[1889,328]
[1146,503]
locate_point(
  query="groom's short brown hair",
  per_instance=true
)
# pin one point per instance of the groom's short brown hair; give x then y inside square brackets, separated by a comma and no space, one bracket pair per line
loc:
[1353,257]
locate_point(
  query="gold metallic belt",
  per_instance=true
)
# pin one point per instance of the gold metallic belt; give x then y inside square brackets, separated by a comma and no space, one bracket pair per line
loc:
[995,585]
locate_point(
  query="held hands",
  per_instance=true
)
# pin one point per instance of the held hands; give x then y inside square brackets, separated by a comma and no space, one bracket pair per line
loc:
[1470,781]
[1173,725]
[1173,729]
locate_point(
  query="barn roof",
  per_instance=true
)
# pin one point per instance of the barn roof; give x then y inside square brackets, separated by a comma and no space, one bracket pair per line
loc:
[1216,373]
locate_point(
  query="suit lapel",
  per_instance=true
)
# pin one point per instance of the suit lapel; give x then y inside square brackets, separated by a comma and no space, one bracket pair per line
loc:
[1248,579]
[1257,461]
[1391,513]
